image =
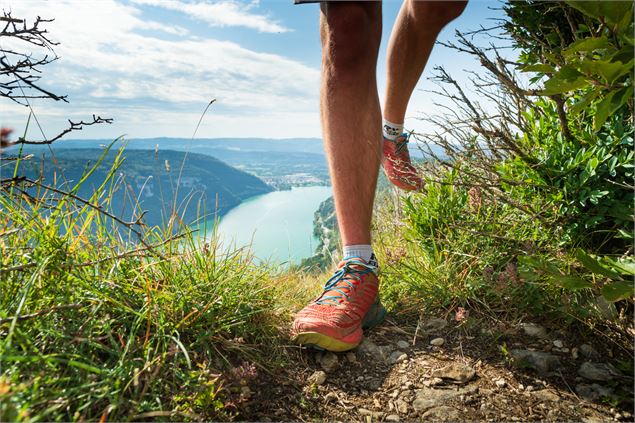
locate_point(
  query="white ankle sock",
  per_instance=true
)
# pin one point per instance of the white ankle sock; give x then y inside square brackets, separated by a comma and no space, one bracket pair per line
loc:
[392,130]
[362,251]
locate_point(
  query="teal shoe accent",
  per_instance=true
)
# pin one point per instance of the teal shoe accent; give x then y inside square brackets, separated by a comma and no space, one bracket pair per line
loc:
[375,315]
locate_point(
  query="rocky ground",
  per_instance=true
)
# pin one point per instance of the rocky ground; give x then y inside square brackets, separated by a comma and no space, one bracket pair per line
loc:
[444,370]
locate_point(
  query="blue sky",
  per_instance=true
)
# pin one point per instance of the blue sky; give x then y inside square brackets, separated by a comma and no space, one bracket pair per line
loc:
[153,65]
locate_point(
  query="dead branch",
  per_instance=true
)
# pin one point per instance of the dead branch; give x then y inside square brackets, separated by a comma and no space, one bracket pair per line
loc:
[73,126]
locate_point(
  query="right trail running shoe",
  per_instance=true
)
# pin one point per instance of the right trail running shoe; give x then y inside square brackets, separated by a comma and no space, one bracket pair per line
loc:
[335,320]
[397,165]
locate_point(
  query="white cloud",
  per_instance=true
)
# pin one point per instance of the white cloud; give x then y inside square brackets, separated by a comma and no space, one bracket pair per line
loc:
[111,66]
[220,14]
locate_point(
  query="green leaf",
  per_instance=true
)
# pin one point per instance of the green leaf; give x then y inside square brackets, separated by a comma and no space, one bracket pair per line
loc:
[557,85]
[538,67]
[610,71]
[624,266]
[538,263]
[616,291]
[612,11]
[621,97]
[528,275]
[623,25]
[624,55]
[594,265]
[587,44]
[602,112]
[571,282]
[584,101]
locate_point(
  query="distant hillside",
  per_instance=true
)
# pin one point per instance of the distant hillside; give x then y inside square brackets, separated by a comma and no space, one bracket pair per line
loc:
[281,163]
[150,178]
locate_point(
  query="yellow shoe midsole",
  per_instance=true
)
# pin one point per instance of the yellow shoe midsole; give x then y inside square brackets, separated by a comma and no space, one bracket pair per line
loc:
[323,341]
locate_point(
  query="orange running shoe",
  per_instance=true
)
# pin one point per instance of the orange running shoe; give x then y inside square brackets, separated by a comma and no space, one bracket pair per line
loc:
[397,165]
[334,320]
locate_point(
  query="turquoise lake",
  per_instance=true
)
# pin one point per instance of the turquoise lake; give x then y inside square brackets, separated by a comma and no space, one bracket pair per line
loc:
[278,226]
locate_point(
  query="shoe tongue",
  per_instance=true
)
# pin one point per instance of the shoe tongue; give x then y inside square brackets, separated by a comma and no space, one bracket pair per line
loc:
[372,264]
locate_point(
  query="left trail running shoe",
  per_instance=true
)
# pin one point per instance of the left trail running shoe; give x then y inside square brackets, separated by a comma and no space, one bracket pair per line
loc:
[334,321]
[397,165]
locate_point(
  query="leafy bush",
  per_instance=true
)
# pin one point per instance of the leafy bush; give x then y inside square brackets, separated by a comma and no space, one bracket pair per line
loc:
[549,162]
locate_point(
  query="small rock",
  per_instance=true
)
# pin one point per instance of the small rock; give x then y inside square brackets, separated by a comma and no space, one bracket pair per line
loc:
[368,347]
[534,330]
[385,351]
[541,361]
[588,351]
[403,345]
[392,418]
[402,406]
[558,343]
[364,412]
[436,381]
[546,395]
[437,342]
[598,371]
[457,372]
[574,353]
[351,357]
[434,325]
[593,392]
[501,383]
[317,378]
[429,397]
[329,362]
[441,413]
[529,388]
[564,350]
[594,419]
[397,357]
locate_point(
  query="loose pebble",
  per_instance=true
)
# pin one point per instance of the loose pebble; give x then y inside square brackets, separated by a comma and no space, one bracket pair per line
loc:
[437,342]
[600,372]
[534,330]
[329,362]
[403,345]
[351,357]
[317,378]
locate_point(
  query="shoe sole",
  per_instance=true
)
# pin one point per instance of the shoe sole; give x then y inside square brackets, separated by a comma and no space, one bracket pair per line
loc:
[320,341]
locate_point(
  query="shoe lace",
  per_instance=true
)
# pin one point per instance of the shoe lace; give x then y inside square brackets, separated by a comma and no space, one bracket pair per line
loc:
[401,142]
[343,281]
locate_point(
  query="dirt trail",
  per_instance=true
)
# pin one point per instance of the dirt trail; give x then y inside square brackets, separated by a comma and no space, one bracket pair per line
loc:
[481,371]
